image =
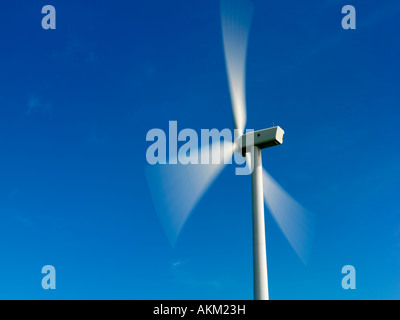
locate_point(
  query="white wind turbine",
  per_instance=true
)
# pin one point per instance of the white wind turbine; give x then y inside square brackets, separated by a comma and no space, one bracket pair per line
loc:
[177,188]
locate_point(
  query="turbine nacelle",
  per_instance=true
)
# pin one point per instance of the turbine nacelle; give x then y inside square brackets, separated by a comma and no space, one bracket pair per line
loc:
[262,138]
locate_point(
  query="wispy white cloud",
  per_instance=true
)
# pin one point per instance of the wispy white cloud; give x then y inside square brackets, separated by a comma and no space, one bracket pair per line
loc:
[76,51]
[95,138]
[21,218]
[27,222]
[143,73]
[38,105]
[183,275]
[178,263]
[13,192]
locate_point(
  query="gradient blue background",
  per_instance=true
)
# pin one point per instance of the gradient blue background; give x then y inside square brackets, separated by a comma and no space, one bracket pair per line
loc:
[76,104]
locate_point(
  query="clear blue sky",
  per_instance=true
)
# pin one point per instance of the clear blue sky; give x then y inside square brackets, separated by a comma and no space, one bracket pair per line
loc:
[76,104]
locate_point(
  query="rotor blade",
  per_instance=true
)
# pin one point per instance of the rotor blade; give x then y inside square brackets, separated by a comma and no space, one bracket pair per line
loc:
[176,188]
[236,18]
[296,223]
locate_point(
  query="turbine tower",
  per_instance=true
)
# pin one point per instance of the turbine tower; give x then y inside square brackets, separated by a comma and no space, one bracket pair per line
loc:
[177,188]
[255,142]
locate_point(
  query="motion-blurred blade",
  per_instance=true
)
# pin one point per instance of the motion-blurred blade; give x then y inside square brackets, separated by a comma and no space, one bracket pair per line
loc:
[296,223]
[176,188]
[236,18]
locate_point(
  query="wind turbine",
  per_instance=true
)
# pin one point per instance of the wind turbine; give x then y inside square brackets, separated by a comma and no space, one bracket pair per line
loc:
[177,188]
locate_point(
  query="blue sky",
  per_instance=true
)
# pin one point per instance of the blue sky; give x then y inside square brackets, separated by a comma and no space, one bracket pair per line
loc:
[76,104]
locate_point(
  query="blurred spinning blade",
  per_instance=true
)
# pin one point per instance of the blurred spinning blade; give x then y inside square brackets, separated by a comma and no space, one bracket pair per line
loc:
[236,19]
[296,223]
[176,188]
